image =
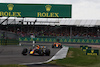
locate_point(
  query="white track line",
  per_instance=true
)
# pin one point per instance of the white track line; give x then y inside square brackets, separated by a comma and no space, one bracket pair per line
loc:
[59,55]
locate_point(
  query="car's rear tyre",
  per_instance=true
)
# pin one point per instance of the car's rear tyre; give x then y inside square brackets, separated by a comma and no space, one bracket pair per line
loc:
[24,52]
[41,52]
[61,46]
[47,52]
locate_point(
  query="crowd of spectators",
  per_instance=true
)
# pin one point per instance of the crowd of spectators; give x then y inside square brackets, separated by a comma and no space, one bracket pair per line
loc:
[63,31]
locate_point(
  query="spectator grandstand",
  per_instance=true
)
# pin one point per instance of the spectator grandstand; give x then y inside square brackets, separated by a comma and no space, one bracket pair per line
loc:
[70,30]
[54,31]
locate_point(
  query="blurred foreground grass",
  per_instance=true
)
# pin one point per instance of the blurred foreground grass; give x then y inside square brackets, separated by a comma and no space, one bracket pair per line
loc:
[13,65]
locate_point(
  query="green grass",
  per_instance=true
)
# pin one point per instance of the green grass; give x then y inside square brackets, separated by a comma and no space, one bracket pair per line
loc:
[13,65]
[77,58]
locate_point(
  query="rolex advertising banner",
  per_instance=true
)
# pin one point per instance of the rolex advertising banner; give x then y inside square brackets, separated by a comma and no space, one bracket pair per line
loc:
[92,52]
[35,10]
[84,48]
[83,41]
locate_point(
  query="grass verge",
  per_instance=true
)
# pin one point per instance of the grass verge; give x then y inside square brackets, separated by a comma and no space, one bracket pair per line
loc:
[13,65]
[77,58]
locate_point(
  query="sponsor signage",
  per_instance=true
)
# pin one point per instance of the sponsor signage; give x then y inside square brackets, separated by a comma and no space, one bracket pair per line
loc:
[35,10]
[92,52]
[93,41]
[84,48]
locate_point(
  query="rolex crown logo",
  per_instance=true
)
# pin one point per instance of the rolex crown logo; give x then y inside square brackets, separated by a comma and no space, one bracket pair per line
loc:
[48,7]
[92,51]
[86,47]
[10,7]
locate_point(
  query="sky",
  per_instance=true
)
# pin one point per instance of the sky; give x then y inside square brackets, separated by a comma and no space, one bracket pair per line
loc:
[81,9]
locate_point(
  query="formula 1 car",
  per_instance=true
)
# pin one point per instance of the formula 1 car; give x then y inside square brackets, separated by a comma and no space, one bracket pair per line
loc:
[56,45]
[37,50]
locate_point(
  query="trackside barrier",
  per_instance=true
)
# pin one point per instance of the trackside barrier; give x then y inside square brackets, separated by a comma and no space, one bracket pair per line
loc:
[89,50]
[9,42]
[84,48]
[92,52]
[84,41]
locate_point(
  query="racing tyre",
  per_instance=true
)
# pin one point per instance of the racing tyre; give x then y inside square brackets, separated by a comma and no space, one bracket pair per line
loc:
[41,52]
[24,52]
[61,46]
[47,52]
[52,46]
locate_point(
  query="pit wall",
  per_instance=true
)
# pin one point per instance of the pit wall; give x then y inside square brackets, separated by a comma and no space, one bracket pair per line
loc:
[9,42]
[62,40]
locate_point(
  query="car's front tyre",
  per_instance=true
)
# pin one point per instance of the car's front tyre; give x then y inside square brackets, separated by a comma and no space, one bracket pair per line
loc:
[24,52]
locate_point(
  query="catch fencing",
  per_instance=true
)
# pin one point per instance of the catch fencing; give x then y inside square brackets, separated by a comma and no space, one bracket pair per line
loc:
[8,38]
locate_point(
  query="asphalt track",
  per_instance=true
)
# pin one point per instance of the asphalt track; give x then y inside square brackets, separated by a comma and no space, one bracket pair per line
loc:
[11,54]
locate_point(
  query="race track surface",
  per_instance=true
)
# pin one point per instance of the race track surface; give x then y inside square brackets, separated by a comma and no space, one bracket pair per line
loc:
[11,54]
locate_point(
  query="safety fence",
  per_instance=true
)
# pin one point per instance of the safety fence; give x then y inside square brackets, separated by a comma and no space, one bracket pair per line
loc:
[92,41]
[9,42]
[8,38]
